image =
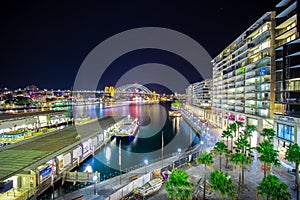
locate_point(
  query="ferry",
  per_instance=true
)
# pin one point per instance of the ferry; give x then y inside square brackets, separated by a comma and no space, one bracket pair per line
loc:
[128,128]
[174,113]
[175,105]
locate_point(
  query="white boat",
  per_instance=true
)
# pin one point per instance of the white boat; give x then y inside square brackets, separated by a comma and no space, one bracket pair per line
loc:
[128,128]
[174,113]
[150,187]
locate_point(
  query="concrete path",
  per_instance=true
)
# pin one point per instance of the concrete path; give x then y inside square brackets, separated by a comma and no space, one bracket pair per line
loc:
[253,174]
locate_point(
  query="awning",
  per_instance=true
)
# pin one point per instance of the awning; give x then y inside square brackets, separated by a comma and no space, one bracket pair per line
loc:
[287,10]
[294,54]
[282,3]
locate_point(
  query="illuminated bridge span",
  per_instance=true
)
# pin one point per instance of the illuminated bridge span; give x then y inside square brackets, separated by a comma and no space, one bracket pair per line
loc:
[131,91]
[133,88]
[122,92]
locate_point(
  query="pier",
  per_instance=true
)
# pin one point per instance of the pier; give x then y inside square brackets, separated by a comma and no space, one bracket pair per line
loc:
[46,158]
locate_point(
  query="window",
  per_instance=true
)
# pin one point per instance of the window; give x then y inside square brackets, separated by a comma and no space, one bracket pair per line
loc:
[266,44]
[293,85]
[265,28]
[292,37]
[285,132]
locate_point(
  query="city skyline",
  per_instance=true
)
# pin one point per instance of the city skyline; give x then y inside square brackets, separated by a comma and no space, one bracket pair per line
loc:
[44,40]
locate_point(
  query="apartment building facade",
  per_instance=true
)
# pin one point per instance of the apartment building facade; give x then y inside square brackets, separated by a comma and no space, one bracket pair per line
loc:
[242,78]
[287,74]
[199,98]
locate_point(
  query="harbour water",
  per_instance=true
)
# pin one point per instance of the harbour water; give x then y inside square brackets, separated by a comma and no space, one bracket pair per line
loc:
[147,145]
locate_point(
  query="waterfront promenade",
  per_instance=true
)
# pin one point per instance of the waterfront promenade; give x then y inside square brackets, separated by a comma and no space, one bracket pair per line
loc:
[253,173]
[34,152]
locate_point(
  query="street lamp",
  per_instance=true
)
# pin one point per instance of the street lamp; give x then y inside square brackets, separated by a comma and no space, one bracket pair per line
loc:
[95,177]
[146,163]
[178,150]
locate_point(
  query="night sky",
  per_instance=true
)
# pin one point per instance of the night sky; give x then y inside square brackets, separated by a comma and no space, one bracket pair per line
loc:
[45,42]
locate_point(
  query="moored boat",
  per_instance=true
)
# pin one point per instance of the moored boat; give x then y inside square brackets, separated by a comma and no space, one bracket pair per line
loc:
[128,128]
[173,113]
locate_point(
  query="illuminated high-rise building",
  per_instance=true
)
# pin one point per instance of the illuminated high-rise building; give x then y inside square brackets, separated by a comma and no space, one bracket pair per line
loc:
[287,89]
[242,74]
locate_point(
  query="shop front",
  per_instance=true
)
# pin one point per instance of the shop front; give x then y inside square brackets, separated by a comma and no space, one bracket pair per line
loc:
[287,132]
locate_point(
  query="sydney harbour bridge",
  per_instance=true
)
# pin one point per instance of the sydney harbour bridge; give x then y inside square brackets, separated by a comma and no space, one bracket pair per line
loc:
[133,91]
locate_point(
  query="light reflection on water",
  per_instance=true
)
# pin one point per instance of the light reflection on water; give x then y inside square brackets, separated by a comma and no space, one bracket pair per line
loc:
[147,144]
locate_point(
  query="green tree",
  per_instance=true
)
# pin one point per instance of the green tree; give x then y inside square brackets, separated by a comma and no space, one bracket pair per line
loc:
[205,159]
[240,160]
[293,155]
[227,134]
[243,144]
[249,130]
[239,125]
[220,148]
[221,182]
[178,187]
[233,128]
[268,155]
[268,134]
[271,187]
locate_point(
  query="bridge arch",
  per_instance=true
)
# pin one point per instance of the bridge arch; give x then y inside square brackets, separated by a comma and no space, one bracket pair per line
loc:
[124,88]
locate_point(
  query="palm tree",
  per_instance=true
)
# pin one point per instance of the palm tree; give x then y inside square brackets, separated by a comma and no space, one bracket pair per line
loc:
[268,133]
[293,155]
[233,128]
[221,182]
[226,134]
[270,187]
[239,125]
[268,155]
[219,149]
[205,159]
[178,187]
[240,160]
[249,130]
[243,144]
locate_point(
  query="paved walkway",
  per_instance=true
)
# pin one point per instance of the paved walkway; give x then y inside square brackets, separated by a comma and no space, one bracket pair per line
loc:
[253,175]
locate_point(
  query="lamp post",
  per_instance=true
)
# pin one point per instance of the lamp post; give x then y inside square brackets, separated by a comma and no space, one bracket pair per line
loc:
[178,150]
[146,163]
[95,177]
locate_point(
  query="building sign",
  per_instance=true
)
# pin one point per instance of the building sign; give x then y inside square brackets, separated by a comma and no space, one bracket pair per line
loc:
[287,119]
[44,173]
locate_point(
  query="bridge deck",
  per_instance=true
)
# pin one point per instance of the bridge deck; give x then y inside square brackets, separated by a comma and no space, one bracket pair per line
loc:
[28,155]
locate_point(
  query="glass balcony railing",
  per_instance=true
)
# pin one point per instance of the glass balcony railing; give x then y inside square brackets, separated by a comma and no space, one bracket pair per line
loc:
[240,109]
[252,111]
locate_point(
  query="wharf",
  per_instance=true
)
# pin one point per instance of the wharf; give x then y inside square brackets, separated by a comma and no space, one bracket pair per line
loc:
[39,150]
[191,123]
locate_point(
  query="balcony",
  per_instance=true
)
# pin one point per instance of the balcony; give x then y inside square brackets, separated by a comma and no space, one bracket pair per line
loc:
[230,108]
[239,97]
[239,109]
[251,96]
[240,71]
[251,111]
[249,89]
[293,61]
[293,50]
[264,62]
[286,13]
[263,112]
[230,96]
[292,73]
